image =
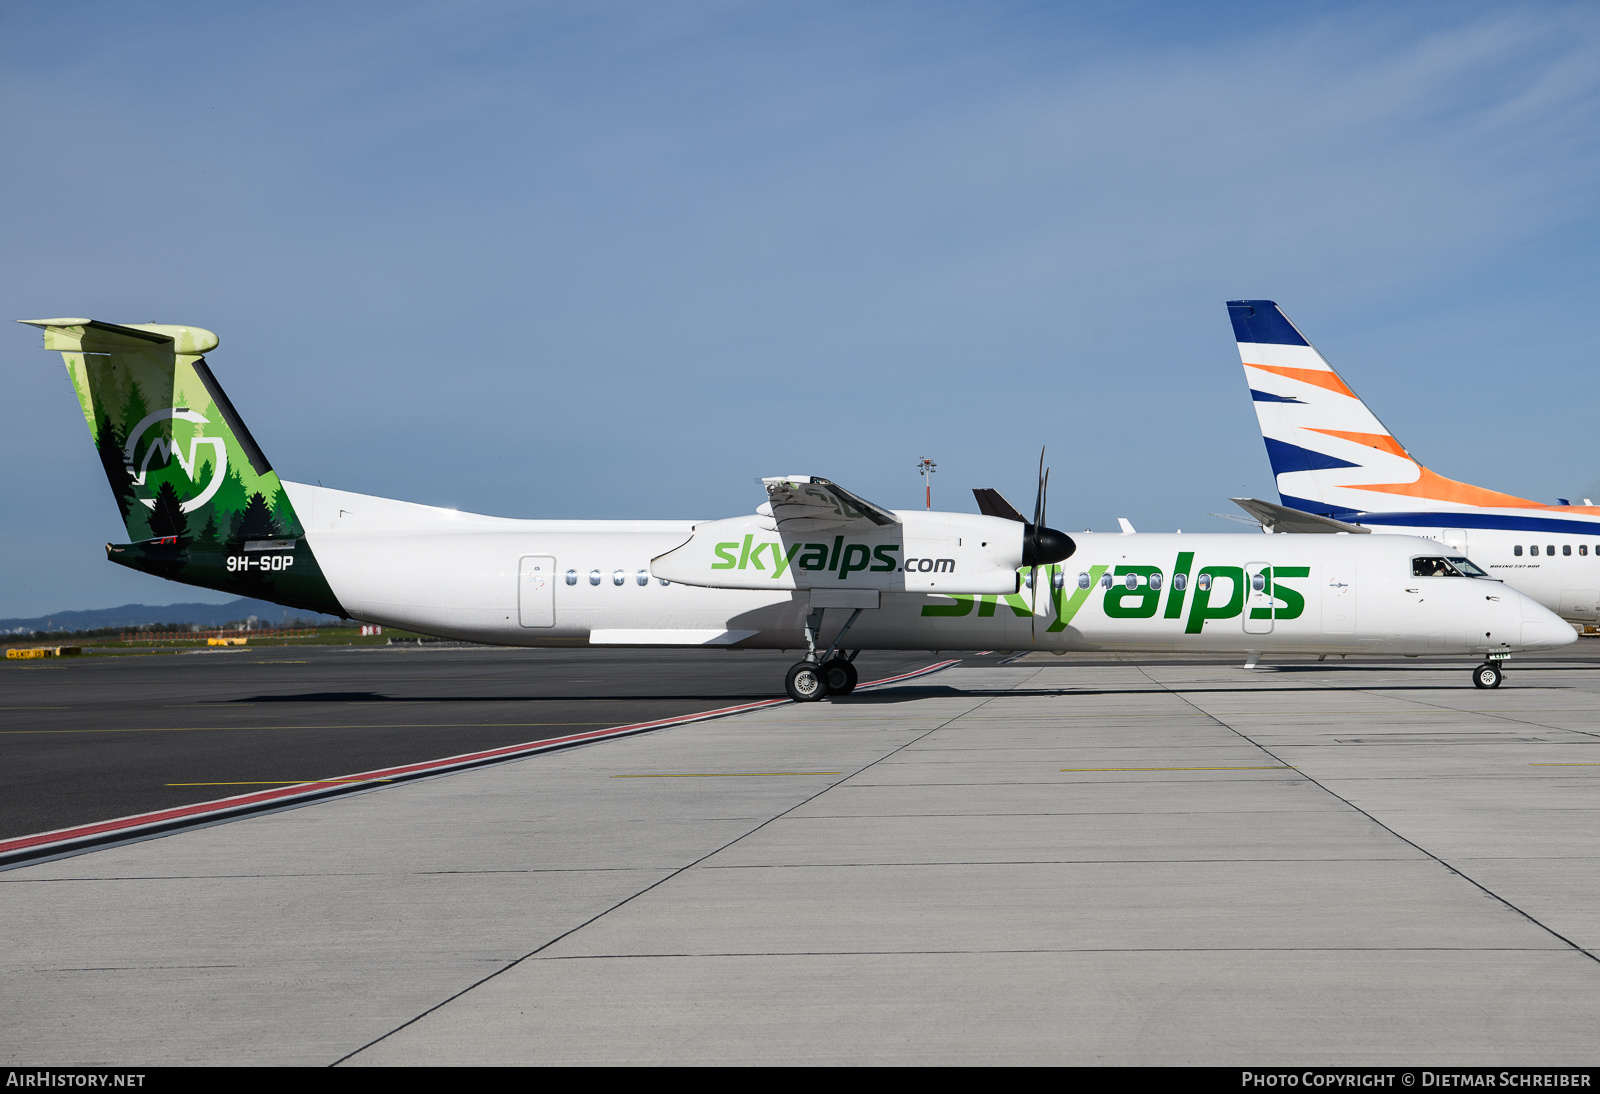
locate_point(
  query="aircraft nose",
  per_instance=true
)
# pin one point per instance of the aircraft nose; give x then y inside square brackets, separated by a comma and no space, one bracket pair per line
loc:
[1550,633]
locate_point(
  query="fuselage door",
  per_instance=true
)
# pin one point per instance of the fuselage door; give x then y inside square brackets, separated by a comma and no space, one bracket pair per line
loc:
[1258,600]
[1580,604]
[536,591]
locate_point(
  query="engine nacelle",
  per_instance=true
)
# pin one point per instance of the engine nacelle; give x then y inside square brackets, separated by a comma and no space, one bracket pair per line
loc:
[924,553]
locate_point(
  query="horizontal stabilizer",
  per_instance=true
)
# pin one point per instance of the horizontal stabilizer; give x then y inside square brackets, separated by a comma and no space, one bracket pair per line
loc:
[93,336]
[1280,518]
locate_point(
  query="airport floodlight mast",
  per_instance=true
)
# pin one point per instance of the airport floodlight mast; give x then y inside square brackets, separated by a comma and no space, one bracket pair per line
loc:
[926,469]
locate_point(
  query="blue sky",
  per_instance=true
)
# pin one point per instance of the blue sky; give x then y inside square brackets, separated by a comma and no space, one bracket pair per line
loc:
[620,260]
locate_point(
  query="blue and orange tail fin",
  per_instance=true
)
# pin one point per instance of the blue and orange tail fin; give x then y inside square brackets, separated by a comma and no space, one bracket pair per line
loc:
[1330,454]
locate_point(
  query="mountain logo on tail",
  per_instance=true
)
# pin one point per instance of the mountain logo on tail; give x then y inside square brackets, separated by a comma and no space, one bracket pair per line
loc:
[169,449]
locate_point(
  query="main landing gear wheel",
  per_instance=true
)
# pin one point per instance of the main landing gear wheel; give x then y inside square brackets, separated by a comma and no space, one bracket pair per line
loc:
[840,676]
[805,682]
[1487,676]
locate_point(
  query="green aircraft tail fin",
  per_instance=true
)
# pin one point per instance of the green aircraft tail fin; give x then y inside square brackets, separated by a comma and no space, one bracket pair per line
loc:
[199,500]
[180,462]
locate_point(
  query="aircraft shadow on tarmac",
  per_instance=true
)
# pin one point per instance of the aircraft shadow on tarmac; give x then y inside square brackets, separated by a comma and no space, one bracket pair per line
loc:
[376,697]
[888,696]
[906,694]
[1390,668]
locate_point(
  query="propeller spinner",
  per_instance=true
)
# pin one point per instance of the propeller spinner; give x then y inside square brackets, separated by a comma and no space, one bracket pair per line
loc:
[1041,545]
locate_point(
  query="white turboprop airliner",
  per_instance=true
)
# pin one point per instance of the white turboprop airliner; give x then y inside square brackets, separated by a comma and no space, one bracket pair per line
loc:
[1339,469]
[816,568]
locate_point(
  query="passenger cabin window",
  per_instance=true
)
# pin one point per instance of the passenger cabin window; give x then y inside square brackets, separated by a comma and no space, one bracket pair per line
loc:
[594,577]
[1432,566]
[1534,550]
[1203,583]
[618,576]
[642,577]
[1155,580]
[1180,582]
[1058,580]
[1517,550]
[1583,548]
[1550,549]
[1105,581]
[1083,581]
[572,577]
[1566,548]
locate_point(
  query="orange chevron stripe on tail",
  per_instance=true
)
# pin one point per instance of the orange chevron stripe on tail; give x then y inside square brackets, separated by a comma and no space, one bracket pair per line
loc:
[1381,441]
[1438,488]
[1329,380]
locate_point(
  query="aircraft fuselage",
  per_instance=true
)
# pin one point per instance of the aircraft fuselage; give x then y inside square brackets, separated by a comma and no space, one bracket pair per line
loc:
[579,583]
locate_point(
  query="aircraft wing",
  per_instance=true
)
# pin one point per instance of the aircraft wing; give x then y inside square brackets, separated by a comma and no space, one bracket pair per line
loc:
[803,504]
[1279,518]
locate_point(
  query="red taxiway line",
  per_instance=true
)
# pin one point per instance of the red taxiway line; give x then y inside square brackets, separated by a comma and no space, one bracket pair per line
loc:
[22,850]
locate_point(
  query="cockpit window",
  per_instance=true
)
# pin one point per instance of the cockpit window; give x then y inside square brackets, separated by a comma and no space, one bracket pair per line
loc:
[1467,566]
[1431,566]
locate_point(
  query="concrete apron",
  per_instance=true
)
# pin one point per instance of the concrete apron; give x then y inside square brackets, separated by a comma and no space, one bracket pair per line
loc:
[1179,863]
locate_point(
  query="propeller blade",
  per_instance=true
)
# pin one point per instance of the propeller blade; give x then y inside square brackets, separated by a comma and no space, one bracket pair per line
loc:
[1044,497]
[1033,532]
[1038,498]
[1033,608]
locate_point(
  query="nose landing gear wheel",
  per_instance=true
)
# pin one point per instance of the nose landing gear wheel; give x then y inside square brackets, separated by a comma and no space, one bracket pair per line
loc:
[805,682]
[1487,676]
[840,676]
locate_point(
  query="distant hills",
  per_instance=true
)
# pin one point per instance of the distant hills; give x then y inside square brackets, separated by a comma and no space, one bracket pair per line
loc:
[135,615]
